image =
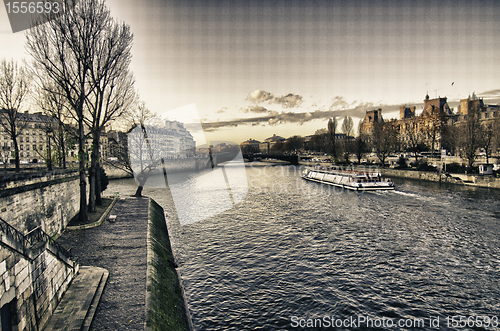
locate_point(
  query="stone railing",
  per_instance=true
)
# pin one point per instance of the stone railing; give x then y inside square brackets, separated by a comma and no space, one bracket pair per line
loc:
[12,180]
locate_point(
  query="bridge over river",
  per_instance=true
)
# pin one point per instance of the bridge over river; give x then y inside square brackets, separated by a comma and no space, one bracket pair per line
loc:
[292,159]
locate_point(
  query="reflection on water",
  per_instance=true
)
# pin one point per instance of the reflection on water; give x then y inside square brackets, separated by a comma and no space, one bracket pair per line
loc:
[296,248]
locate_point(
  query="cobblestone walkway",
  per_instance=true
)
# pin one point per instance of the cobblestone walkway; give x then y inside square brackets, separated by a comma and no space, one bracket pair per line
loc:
[120,247]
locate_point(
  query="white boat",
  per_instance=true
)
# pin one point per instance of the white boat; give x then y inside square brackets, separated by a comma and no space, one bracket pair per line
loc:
[355,180]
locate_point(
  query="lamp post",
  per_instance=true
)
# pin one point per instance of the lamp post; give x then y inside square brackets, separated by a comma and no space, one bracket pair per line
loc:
[49,136]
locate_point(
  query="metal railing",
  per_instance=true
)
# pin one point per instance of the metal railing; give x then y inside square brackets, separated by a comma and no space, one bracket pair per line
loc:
[12,232]
[35,236]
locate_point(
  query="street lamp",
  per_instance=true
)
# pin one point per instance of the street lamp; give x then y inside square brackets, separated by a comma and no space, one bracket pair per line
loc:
[49,136]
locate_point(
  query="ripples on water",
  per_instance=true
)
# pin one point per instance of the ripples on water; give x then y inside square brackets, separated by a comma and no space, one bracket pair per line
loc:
[296,248]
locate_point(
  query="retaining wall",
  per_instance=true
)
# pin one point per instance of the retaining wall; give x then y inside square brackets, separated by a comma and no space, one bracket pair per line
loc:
[165,303]
[460,179]
[33,283]
[48,201]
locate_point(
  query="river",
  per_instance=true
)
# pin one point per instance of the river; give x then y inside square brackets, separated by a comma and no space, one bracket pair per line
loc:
[300,255]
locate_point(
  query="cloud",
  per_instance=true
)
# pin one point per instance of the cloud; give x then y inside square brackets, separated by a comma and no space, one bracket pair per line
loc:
[492,96]
[254,109]
[338,108]
[338,103]
[259,96]
[276,118]
[289,100]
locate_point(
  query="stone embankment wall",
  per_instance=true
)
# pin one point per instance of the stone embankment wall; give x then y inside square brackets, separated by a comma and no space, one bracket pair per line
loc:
[32,282]
[460,179]
[47,200]
[165,303]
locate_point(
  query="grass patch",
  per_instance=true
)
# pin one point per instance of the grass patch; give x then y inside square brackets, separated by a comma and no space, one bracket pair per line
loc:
[92,216]
[167,301]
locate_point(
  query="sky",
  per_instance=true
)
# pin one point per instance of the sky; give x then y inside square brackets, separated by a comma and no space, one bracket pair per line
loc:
[255,68]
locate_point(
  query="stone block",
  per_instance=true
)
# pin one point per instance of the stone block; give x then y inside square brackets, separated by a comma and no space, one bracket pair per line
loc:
[4,254]
[27,293]
[23,263]
[6,281]
[23,286]
[12,260]
[3,267]
[22,275]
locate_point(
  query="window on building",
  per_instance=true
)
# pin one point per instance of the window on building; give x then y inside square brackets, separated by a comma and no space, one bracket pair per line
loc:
[21,139]
[34,147]
[27,147]
[21,147]
[41,147]
[27,139]
[27,154]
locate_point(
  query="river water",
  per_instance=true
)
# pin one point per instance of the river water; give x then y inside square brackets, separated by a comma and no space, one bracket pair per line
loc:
[300,255]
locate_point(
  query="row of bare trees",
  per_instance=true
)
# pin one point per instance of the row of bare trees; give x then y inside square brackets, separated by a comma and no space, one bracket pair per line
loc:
[80,72]
[465,138]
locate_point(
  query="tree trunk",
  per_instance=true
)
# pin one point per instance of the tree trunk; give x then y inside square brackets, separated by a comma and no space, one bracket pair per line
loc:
[142,178]
[63,148]
[93,172]
[138,192]
[82,215]
[98,200]
[16,155]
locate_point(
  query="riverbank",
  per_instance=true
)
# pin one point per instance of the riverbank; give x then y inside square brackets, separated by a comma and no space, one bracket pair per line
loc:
[143,290]
[433,176]
[458,179]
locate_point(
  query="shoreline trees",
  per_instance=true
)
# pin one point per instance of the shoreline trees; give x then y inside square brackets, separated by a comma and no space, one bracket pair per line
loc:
[83,56]
[14,87]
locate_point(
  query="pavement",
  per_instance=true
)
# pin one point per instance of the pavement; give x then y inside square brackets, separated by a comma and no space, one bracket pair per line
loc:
[112,294]
[77,308]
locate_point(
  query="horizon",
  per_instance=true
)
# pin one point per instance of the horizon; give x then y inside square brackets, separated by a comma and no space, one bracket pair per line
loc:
[283,67]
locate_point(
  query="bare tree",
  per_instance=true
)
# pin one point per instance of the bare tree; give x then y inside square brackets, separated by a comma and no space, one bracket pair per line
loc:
[385,139]
[143,157]
[64,50]
[53,103]
[434,125]
[496,136]
[332,131]
[112,90]
[487,137]
[450,137]
[469,137]
[294,144]
[360,145]
[14,87]
[347,129]
[135,116]
[414,139]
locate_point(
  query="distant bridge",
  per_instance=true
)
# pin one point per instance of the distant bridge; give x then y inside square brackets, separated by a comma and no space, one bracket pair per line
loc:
[292,159]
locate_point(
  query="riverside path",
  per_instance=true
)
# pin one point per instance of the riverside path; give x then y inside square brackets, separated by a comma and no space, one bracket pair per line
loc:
[120,247]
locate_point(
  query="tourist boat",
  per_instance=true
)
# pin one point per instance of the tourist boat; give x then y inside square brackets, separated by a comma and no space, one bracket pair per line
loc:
[355,180]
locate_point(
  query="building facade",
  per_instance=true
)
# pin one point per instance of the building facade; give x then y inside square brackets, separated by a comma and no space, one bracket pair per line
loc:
[33,132]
